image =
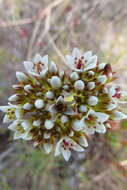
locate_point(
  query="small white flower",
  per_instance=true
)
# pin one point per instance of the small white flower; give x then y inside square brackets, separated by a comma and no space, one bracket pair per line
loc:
[39,103]
[61,106]
[38,67]
[52,67]
[37,123]
[55,82]
[12,113]
[74,76]
[12,98]
[27,106]
[102,79]
[92,100]
[64,119]
[79,85]
[47,147]
[64,147]
[83,108]
[49,124]
[94,121]
[21,76]
[81,62]
[49,95]
[91,85]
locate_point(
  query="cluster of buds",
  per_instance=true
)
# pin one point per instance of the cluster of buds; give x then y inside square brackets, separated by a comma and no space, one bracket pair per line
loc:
[59,110]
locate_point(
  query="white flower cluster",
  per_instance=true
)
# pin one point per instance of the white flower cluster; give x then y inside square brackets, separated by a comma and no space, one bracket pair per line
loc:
[58,111]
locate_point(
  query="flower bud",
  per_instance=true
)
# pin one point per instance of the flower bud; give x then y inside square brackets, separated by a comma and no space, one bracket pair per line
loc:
[83,108]
[14,97]
[21,76]
[101,66]
[49,124]
[79,85]
[93,100]
[78,125]
[52,67]
[102,79]
[37,123]
[26,125]
[27,106]
[74,76]
[39,103]
[55,82]
[49,95]
[64,119]
[91,85]
[47,135]
[28,87]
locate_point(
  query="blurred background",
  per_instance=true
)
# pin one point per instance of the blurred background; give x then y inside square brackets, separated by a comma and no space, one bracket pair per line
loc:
[56,27]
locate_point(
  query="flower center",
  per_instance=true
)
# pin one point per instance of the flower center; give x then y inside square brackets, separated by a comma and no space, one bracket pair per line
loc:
[117,94]
[38,67]
[66,145]
[60,107]
[80,62]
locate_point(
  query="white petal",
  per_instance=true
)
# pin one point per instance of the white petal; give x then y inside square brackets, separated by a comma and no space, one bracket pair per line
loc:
[100,128]
[17,135]
[57,150]
[12,126]
[5,108]
[21,76]
[83,141]
[66,153]
[27,136]
[76,53]
[70,62]
[47,135]
[47,147]
[111,106]
[102,117]
[117,115]
[87,55]
[6,119]
[78,148]
[29,66]
[45,59]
